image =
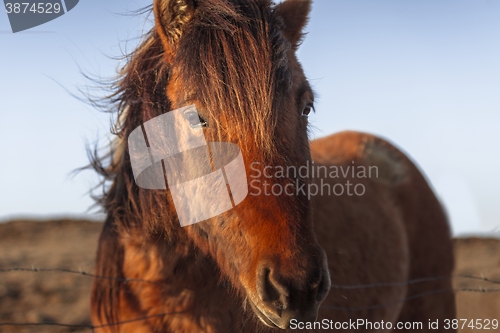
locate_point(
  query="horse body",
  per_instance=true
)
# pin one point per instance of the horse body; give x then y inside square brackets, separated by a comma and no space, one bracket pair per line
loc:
[396,232]
[271,259]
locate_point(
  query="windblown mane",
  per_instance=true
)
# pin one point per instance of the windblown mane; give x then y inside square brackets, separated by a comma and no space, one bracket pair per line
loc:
[234,55]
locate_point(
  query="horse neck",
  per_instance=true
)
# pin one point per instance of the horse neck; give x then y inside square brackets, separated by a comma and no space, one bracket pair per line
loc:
[164,253]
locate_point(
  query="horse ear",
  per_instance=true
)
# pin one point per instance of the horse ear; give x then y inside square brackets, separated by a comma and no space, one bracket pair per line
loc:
[295,14]
[170,18]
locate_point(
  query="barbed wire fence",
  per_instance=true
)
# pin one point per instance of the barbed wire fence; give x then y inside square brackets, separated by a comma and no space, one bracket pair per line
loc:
[93,328]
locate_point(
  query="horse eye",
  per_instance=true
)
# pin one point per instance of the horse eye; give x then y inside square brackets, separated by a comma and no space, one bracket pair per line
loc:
[195,120]
[307,109]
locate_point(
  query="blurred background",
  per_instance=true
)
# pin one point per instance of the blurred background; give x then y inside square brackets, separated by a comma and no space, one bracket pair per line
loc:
[424,74]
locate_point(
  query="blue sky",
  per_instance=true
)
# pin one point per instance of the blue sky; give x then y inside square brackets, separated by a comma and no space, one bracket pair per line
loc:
[424,74]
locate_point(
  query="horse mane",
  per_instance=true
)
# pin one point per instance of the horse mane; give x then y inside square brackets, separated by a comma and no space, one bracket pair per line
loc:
[235,47]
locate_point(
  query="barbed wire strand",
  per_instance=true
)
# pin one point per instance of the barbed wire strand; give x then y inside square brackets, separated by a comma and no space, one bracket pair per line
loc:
[93,327]
[334,286]
[415,281]
[78,272]
[410,298]
[349,309]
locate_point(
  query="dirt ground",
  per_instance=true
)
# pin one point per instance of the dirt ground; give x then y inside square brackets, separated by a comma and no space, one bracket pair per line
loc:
[48,297]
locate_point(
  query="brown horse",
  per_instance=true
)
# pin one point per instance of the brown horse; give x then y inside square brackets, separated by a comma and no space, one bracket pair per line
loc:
[376,247]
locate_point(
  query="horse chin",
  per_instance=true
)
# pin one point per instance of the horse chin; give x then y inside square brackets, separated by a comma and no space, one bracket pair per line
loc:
[263,318]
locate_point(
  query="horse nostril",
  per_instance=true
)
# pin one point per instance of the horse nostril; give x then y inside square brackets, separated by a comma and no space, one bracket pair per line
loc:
[271,292]
[324,286]
[281,299]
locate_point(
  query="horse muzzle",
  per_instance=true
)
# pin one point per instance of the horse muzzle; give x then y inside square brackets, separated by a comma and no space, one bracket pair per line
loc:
[278,302]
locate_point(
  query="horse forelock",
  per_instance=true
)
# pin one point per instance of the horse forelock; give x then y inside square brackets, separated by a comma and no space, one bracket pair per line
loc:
[234,58]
